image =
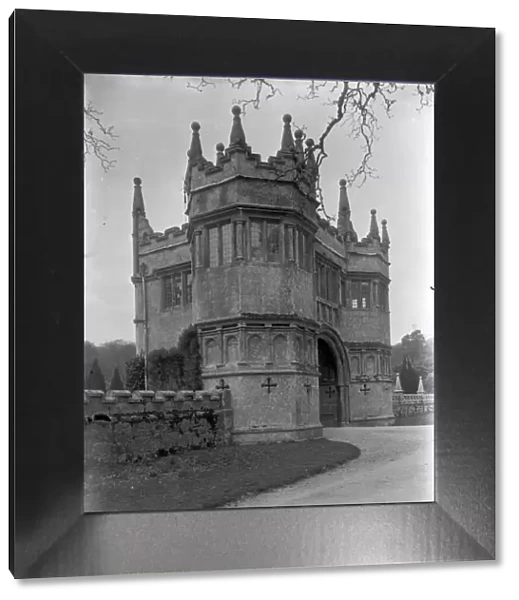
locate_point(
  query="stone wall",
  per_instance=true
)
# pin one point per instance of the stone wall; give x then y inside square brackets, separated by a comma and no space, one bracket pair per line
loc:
[407,405]
[157,257]
[122,424]
[368,260]
[365,325]
[226,291]
[289,411]
[373,405]
[246,192]
[247,352]
[164,324]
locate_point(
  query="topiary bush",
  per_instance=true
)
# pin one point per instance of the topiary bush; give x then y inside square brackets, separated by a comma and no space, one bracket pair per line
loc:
[409,377]
[95,379]
[117,382]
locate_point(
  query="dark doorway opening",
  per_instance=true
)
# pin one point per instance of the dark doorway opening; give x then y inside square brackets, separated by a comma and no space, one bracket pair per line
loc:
[328,386]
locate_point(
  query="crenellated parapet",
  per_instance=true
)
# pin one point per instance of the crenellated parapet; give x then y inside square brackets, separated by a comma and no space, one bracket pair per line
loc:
[123,425]
[124,402]
[158,239]
[291,164]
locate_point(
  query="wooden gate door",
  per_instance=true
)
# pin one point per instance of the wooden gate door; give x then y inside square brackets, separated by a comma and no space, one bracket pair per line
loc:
[328,390]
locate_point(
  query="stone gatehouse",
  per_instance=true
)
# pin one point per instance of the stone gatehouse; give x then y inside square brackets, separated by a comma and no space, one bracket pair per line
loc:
[292,313]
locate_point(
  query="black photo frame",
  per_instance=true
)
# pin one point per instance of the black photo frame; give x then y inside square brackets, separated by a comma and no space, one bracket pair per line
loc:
[50,536]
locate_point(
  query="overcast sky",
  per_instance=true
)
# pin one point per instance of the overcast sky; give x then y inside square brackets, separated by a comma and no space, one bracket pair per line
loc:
[152,116]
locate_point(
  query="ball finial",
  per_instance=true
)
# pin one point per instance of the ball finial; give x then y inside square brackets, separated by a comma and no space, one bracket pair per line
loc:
[137,181]
[384,222]
[342,182]
[195,126]
[310,142]
[287,118]
[220,147]
[236,110]
[373,211]
[298,134]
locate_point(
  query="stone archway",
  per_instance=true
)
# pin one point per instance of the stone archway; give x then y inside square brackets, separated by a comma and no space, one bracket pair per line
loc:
[328,385]
[334,380]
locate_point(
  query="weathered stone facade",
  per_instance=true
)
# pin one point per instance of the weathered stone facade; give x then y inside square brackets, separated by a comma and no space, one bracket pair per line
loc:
[291,312]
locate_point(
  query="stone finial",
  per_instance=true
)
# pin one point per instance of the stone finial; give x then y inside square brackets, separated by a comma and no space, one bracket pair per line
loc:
[344,211]
[385,234]
[420,387]
[373,228]
[300,153]
[219,152]
[237,137]
[398,386]
[287,141]
[195,150]
[344,223]
[138,200]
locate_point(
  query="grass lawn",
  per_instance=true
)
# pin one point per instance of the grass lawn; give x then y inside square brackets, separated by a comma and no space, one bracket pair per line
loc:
[209,478]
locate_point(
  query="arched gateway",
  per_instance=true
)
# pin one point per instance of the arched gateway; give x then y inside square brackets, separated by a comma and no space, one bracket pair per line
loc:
[333,380]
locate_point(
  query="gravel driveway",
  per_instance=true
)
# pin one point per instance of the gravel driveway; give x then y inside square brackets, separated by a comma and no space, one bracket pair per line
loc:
[396,465]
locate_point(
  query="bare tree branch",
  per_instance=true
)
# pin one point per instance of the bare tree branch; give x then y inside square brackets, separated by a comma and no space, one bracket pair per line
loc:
[357,106]
[313,90]
[201,85]
[98,138]
[262,90]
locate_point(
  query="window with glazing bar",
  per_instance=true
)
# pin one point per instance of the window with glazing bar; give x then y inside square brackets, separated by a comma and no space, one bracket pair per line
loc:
[176,289]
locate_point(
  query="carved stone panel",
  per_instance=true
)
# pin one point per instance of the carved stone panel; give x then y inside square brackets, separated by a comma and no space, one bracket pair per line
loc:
[280,348]
[256,349]
[298,349]
[355,366]
[310,351]
[232,353]
[211,352]
[370,366]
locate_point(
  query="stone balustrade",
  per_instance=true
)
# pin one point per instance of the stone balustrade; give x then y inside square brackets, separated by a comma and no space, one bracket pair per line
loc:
[406,405]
